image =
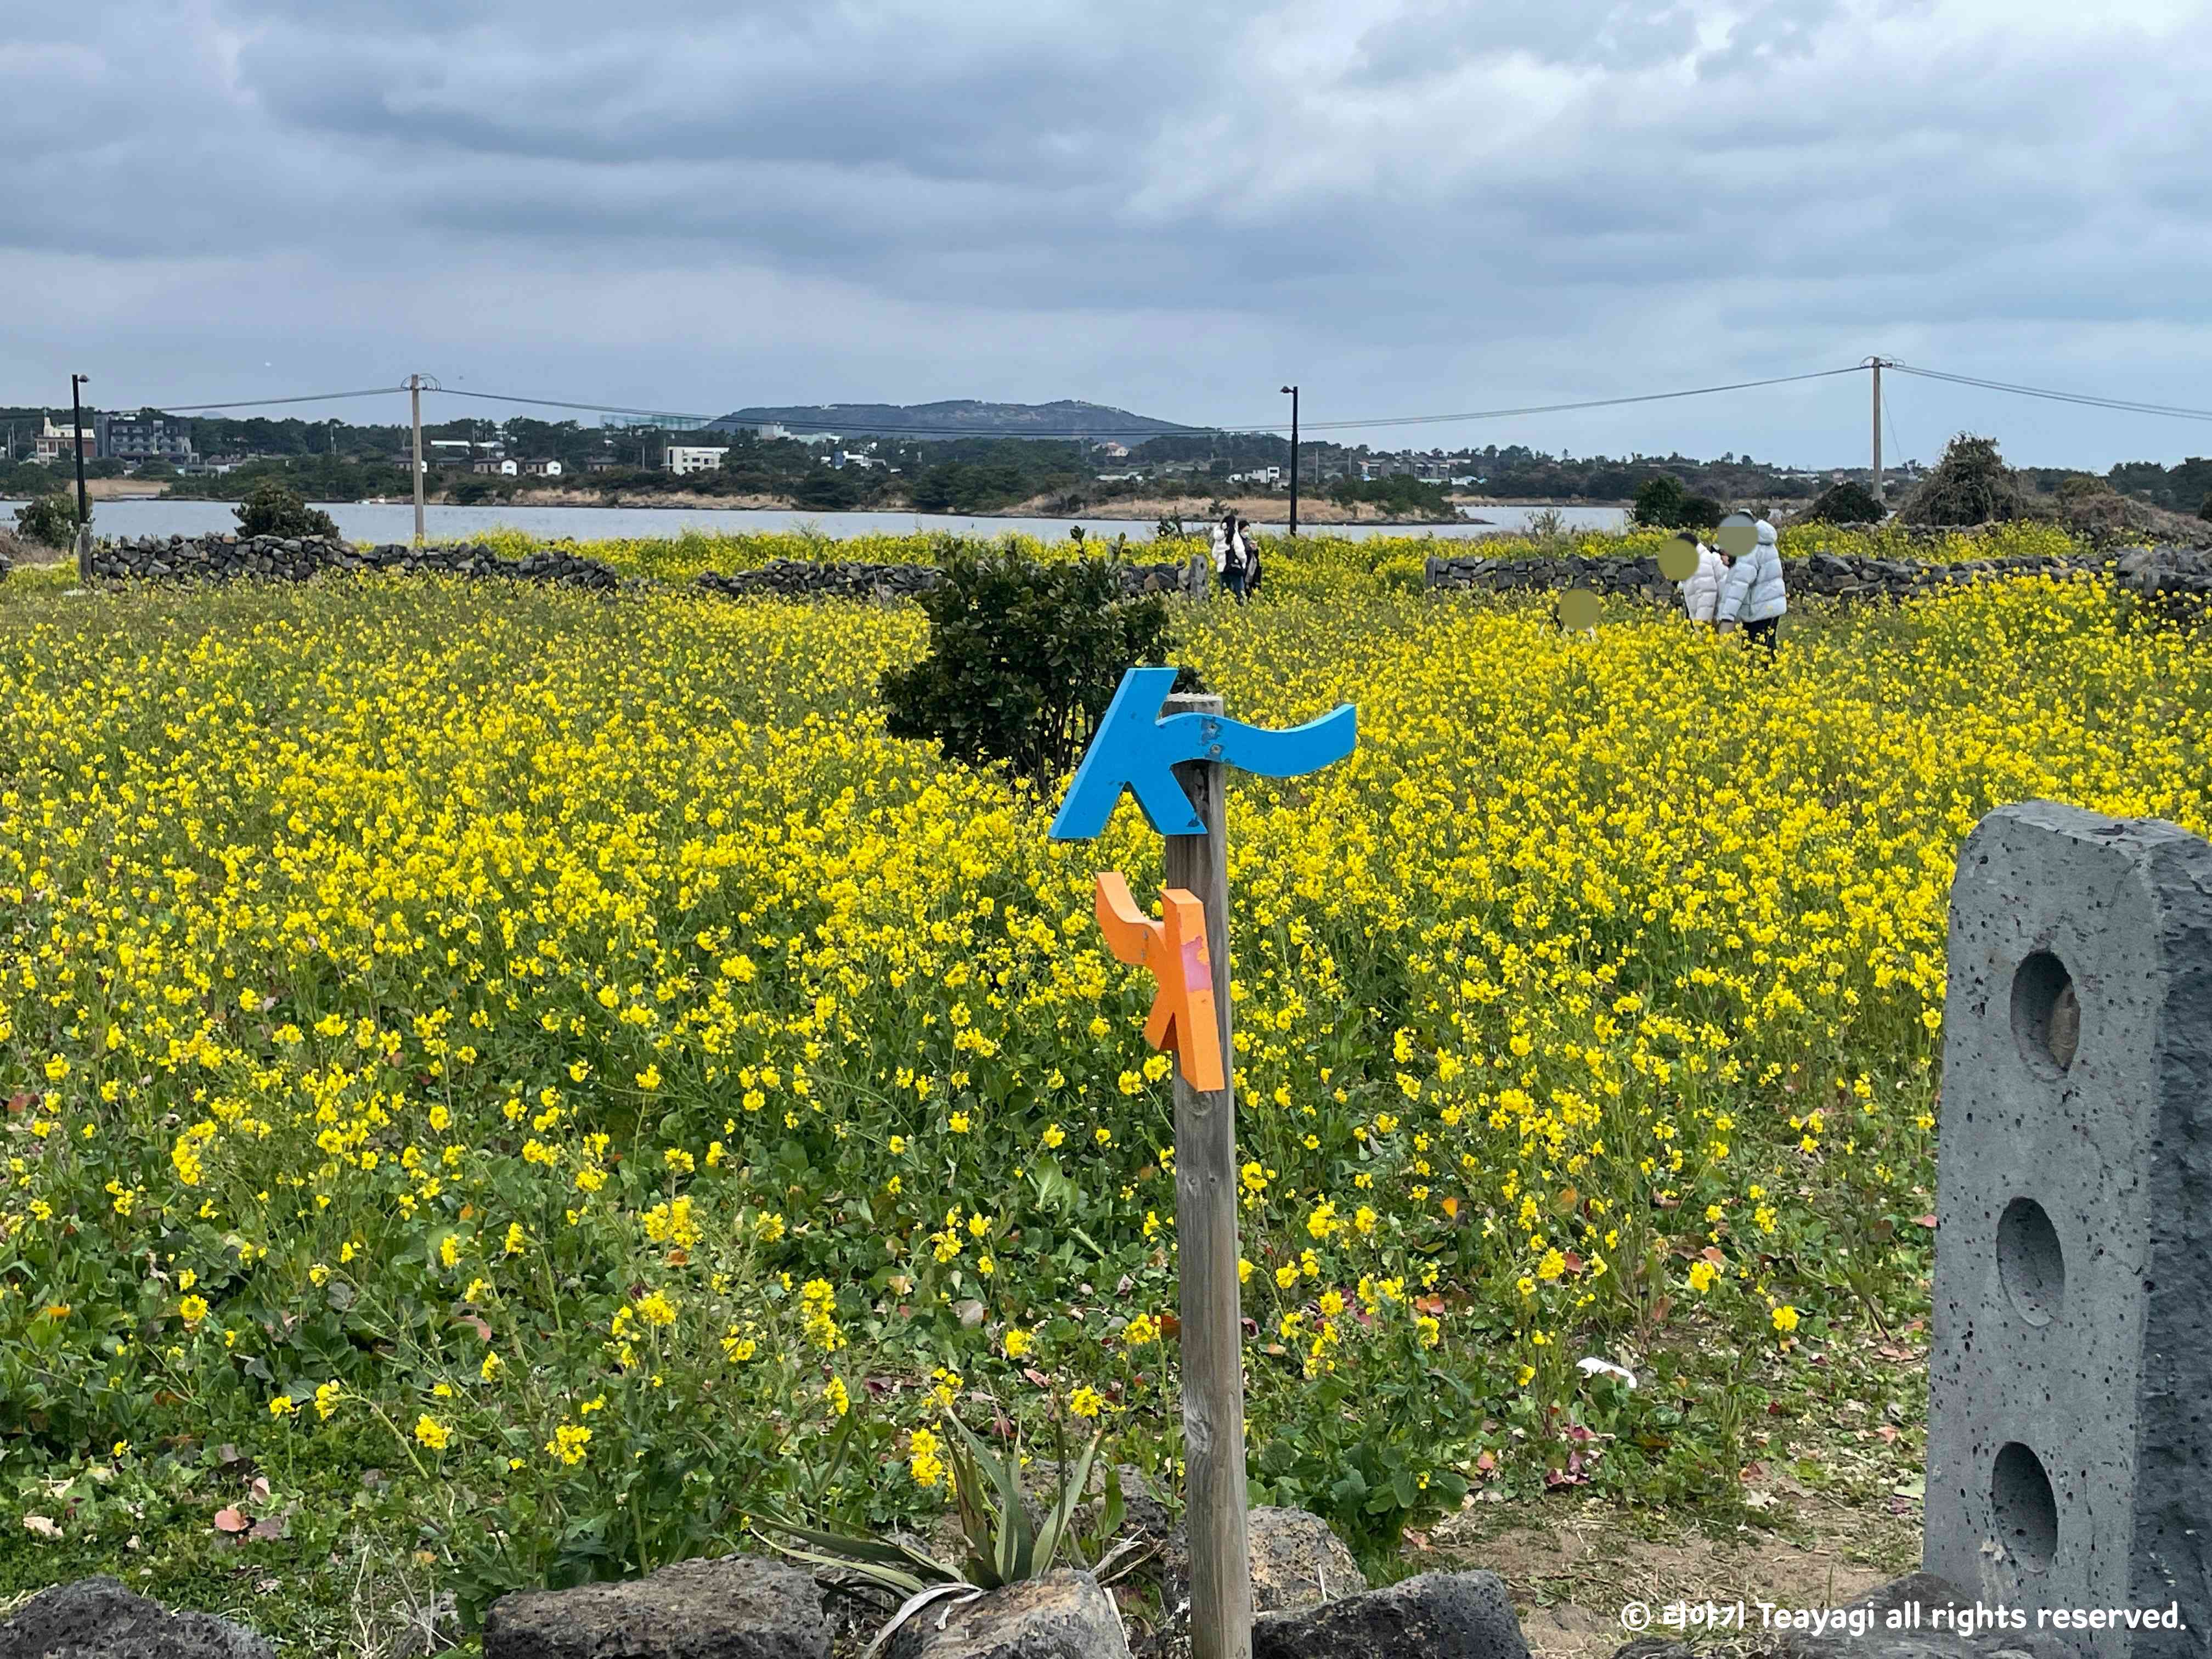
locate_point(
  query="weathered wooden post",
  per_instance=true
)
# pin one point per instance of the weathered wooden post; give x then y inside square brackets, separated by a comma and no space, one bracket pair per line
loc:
[1207,1250]
[1172,752]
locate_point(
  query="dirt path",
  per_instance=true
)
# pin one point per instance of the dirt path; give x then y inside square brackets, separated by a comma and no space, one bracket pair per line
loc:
[1572,1572]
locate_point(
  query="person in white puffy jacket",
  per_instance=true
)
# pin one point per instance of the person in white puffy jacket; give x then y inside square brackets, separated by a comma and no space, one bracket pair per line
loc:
[1702,591]
[1232,554]
[1752,594]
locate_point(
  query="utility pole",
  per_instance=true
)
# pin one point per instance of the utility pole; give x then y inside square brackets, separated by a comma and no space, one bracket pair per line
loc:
[1293,390]
[415,399]
[1875,363]
[83,498]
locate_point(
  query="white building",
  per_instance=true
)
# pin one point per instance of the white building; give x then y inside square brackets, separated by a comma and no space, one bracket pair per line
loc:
[695,458]
[53,443]
[548,468]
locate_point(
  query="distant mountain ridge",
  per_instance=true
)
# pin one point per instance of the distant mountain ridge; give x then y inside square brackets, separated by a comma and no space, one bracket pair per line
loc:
[958,417]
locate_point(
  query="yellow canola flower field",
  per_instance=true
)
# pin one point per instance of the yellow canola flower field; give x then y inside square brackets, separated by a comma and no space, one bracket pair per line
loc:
[562,1049]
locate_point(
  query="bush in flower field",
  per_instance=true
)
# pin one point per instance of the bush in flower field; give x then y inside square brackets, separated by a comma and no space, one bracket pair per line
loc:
[1023,657]
[573,1059]
[272,507]
[1847,502]
[1663,503]
[51,520]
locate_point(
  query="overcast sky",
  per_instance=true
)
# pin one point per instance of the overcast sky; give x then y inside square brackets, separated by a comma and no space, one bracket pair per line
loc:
[1408,206]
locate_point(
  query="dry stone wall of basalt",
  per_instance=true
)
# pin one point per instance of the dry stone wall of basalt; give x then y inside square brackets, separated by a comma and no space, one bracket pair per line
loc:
[295,558]
[2165,573]
[2161,571]
[291,558]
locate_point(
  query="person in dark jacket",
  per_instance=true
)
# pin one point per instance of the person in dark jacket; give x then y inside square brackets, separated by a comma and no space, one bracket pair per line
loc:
[1231,554]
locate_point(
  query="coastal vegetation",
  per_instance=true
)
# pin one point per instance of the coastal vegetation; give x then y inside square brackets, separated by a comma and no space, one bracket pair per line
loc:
[48,520]
[271,508]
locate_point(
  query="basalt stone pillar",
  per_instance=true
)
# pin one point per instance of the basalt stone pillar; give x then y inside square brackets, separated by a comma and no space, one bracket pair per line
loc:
[2069,1447]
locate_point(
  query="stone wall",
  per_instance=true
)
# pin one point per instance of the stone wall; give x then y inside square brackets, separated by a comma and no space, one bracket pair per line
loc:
[851,580]
[2162,570]
[2180,572]
[287,558]
[274,558]
[2165,572]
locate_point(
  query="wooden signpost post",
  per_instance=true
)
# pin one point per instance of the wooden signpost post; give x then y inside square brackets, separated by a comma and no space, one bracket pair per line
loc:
[1172,753]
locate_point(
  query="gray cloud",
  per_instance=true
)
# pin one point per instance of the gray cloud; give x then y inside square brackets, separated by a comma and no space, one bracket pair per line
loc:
[1410,204]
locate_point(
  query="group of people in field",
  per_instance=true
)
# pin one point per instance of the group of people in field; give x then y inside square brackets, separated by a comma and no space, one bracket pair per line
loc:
[1724,592]
[1731,593]
[1236,556]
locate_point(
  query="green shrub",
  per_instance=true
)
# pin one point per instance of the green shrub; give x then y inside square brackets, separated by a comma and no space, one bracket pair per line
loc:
[272,507]
[1659,503]
[49,520]
[2075,486]
[1023,657]
[1971,484]
[1848,502]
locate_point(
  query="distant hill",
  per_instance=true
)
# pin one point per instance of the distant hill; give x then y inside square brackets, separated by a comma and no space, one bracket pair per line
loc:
[958,418]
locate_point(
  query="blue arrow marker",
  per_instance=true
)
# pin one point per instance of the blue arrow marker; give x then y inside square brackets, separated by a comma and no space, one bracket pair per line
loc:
[1134,748]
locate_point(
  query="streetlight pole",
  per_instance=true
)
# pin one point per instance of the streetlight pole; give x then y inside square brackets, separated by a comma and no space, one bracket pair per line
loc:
[83,499]
[1293,390]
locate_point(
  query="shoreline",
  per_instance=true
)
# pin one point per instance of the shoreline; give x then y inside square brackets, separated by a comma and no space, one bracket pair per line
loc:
[1267,510]
[1261,510]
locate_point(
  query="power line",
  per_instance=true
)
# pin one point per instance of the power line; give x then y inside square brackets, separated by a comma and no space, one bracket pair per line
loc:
[1070,432]
[261,403]
[877,429]
[563,403]
[1588,402]
[2091,400]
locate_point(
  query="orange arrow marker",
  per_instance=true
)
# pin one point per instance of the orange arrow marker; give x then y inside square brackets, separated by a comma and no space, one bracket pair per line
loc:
[1182,1019]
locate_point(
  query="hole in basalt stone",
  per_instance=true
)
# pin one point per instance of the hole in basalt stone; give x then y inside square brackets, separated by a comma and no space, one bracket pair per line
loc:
[2031,1262]
[2026,1514]
[2046,1017]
